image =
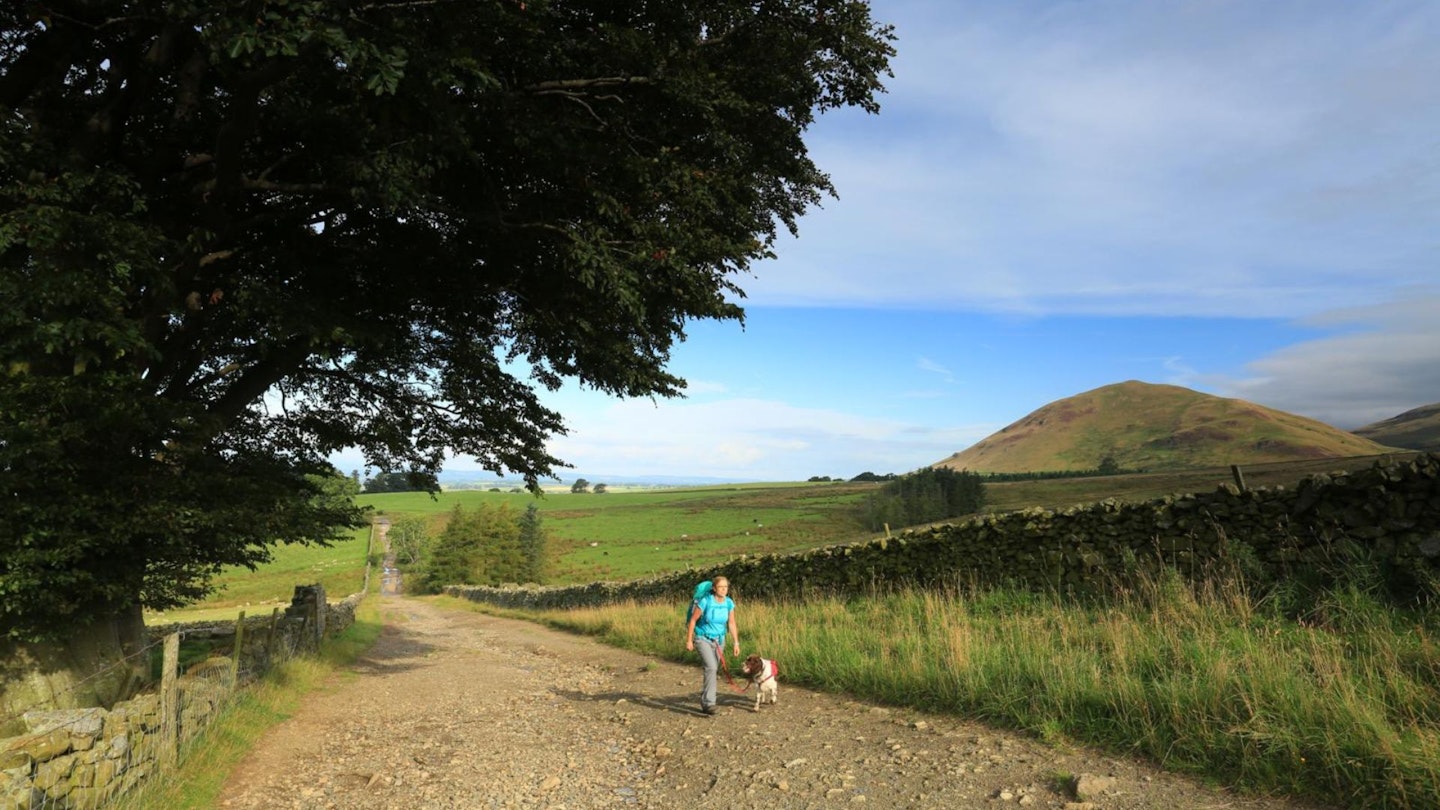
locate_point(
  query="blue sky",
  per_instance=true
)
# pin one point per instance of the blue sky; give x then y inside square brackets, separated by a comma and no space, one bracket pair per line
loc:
[1239,197]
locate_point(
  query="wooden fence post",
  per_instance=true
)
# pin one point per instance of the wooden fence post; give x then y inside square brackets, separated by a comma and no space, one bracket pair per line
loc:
[236,653]
[270,638]
[170,702]
[321,605]
[1239,476]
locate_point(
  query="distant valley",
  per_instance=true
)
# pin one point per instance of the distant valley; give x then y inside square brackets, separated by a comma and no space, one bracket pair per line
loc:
[1416,429]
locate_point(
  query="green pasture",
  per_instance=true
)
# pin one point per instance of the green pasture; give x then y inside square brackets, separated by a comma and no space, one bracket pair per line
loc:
[639,533]
[1057,493]
[626,535]
[339,567]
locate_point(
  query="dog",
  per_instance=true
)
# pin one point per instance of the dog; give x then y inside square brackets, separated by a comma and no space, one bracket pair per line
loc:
[763,674]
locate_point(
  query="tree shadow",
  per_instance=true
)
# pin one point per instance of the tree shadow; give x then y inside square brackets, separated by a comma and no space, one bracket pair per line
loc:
[392,652]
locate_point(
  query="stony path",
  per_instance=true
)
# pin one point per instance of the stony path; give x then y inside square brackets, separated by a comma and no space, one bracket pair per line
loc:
[458,710]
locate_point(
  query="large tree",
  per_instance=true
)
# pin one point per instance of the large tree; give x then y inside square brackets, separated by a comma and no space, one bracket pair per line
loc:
[237,237]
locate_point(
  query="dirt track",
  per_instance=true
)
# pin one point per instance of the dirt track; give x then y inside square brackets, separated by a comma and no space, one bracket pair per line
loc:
[459,710]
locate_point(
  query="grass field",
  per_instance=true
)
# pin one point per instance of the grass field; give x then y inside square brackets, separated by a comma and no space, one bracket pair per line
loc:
[1341,703]
[340,568]
[642,533]
[1060,492]
[625,535]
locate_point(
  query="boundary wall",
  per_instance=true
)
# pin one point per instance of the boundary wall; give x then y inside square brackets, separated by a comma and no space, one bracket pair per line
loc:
[85,758]
[1389,512]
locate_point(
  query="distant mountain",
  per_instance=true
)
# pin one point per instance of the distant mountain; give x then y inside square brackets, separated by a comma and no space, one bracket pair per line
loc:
[1417,429]
[1155,427]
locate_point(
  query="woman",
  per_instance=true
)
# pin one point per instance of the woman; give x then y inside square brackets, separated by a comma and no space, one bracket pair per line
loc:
[711,617]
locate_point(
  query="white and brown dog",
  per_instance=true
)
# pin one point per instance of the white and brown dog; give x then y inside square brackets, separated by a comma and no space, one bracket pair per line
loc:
[763,674]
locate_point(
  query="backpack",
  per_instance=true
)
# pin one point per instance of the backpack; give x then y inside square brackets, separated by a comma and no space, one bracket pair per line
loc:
[701,591]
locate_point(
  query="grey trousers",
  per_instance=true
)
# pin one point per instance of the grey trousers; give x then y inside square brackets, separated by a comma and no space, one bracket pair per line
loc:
[710,658]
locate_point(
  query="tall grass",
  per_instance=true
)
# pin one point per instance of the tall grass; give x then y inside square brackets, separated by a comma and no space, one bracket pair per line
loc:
[206,763]
[1342,703]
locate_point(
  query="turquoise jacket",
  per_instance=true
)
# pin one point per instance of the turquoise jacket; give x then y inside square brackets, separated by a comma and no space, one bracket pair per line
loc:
[714,618]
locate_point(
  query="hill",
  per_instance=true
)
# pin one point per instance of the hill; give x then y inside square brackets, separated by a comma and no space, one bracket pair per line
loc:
[1144,426]
[1417,429]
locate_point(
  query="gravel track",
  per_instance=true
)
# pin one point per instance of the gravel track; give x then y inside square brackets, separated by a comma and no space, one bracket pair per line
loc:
[452,709]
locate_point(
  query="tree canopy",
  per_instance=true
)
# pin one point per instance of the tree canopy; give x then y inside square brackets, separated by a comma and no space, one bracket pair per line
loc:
[401,482]
[238,237]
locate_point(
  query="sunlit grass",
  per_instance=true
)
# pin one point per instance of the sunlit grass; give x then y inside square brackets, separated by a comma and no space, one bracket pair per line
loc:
[630,535]
[339,567]
[1343,705]
[207,762]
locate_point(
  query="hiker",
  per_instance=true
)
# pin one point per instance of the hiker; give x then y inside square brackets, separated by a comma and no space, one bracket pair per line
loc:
[712,615]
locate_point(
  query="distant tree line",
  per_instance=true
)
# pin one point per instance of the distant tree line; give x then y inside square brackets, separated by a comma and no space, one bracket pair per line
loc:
[923,496]
[872,477]
[489,545]
[402,482]
[1108,466]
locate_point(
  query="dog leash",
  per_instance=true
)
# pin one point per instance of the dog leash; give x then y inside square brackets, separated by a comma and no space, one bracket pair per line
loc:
[725,667]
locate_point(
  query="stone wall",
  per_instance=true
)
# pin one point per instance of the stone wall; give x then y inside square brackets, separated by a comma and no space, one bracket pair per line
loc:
[83,758]
[1390,512]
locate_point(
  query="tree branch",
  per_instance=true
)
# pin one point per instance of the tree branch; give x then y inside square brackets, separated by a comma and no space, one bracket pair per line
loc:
[585,84]
[254,382]
[578,98]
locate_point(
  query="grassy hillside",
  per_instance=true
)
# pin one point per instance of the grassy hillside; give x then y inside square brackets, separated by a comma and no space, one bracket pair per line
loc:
[340,568]
[625,535]
[643,533]
[1055,493]
[1417,429]
[1150,427]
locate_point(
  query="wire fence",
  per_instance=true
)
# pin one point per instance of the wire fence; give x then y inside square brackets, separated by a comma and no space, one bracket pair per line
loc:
[87,757]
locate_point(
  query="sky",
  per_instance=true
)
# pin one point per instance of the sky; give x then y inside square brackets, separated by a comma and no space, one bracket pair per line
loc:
[1242,198]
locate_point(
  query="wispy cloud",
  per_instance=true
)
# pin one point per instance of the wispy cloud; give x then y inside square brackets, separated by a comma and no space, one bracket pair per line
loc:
[1133,158]
[752,438]
[1387,364]
[926,364]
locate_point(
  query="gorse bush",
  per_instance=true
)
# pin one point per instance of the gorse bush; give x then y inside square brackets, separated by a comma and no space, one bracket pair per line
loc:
[923,496]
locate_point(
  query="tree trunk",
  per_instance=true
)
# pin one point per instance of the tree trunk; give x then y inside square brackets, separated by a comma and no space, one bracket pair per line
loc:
[99,665]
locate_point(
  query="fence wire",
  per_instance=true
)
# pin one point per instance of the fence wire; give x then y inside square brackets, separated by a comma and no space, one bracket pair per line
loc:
[105,754]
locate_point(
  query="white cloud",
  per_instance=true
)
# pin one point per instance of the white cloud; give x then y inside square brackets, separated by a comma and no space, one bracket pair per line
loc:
[1132,158]
[749,439]
[1388,365]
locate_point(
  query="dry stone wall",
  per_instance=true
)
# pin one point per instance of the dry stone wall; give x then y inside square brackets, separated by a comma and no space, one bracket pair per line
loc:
[1389,513]
[84,758]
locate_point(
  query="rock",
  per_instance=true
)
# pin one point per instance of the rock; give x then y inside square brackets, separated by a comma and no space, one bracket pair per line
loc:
[549,784]
[1089,786]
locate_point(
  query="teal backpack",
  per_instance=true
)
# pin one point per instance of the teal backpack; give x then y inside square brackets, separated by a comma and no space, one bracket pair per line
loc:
[701,591]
